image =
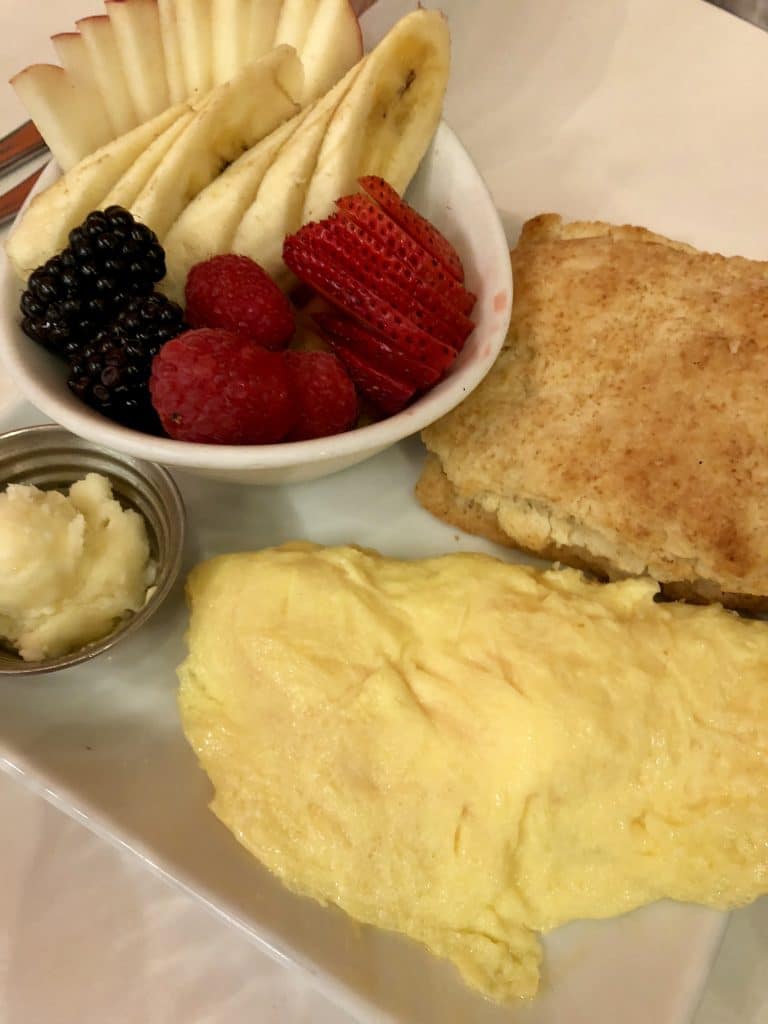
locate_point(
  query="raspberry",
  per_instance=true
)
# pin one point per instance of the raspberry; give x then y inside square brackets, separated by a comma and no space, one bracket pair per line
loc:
[215,387]
[234,293]
[324,395]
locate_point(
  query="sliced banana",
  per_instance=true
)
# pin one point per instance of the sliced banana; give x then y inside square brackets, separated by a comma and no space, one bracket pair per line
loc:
[43,230]
[208,225]
[126,189]
[229,120]
[277,208]
[386,121]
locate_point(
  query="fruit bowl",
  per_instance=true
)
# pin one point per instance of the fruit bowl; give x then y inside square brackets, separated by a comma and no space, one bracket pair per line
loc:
[448,190]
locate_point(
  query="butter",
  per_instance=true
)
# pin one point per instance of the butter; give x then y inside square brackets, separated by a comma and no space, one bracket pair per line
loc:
[474,753]
[70,566]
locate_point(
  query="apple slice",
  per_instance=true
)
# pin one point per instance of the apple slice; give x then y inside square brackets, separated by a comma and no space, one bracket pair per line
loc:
[277,208]
[333,45]
[43,230]
[101,46]
[174,65]
[230,119]
[136,27]
[386,121]
[56,105]
[72,52]
[208,225]
[126,189]
[294,22]
[242,30]
[193,30]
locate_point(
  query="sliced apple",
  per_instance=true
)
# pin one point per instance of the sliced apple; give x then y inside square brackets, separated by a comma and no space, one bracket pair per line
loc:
[333,45]
[387,119]
[72,52]
[294,22]
[277,208]
[194,30]
[207,226]
[230,119]
[174,65]
[101,45]
[56,105]
[136,28]
[242,30]
[126,189]
[43,230]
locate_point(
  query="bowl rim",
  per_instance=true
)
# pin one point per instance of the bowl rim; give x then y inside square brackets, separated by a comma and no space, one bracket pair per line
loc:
[285,454]
[157,591]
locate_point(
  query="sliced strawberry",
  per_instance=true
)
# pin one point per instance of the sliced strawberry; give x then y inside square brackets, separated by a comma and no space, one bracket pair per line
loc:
[387,393]
[373,348]
[420,229]
[345,291]
[365,257]
[368,215]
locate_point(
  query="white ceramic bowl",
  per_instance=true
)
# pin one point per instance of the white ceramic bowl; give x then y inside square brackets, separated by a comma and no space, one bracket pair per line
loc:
[449,190]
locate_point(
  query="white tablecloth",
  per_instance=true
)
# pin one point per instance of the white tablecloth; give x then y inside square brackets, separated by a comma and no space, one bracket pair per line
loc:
[88,935]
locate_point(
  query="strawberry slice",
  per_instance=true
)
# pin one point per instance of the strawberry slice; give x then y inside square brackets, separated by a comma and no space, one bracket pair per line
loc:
[420,229]
[374,350]
[341,288]
[397,243]
[387,393]
[363,255]
[343,244]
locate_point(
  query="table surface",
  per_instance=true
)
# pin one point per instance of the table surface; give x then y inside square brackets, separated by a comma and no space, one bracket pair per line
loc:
[87,934]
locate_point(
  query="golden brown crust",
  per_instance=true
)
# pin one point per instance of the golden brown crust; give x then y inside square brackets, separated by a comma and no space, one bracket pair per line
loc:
[624,424]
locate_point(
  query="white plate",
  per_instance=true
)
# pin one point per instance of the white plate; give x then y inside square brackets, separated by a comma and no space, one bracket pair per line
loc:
[628,110]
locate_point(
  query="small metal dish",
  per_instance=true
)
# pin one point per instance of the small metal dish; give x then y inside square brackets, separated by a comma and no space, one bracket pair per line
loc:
[51,458]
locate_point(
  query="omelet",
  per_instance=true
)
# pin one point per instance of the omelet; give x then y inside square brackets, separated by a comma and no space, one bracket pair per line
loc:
[474,753]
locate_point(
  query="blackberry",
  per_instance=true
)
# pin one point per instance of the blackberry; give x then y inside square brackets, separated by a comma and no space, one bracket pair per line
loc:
[110,257]
[111,373]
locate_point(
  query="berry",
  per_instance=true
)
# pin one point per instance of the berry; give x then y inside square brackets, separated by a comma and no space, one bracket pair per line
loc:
[374,222]
[324,394]
[215,387]
[110,258]
[234,293]
[111,373]
[344,334]
[387,393]
[344,290]
[418,227]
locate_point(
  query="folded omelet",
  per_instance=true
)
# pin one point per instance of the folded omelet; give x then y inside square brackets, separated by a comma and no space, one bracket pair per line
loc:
[474,753]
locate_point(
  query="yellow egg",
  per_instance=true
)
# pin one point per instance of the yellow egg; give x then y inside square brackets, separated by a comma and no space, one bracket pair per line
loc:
[473,753]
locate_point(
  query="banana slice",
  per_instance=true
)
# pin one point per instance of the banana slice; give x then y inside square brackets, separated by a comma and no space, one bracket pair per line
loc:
[229,120]
[277,209]
[43,230]
[208,225]
[386,121]
[127,188]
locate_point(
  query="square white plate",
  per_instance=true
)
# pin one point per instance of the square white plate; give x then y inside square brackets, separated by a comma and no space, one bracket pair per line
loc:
[650,111]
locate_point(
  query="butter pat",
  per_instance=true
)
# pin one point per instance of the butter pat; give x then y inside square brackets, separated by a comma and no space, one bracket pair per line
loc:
[475,753]
[71,565]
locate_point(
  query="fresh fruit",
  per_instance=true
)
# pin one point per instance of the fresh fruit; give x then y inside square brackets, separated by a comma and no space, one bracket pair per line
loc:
[242,31]
[323,393]
[99,37]
[43,229]
[372,219]
[277,207]
[227,122]
[56,104]
[387,119]
[74,58]
[214,387]
[387,393]
[332,45]
[418,227]
[129,185]
[136,27]
[73,295]
[174,64]
[208,224]
[193,27]
[234,293]
[111,373]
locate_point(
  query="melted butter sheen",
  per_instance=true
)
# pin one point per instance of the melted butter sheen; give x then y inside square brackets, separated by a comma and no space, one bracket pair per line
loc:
[471,752]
